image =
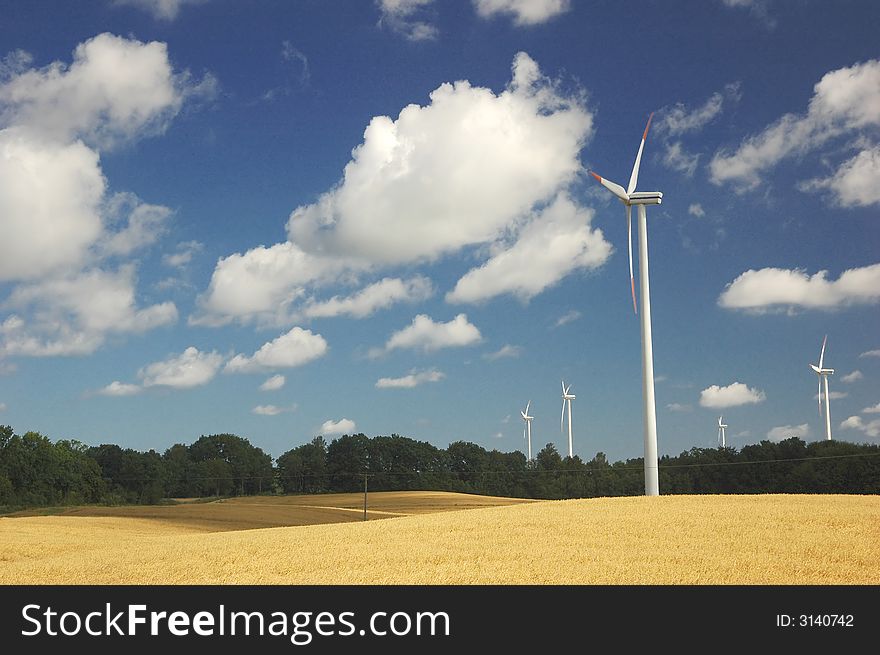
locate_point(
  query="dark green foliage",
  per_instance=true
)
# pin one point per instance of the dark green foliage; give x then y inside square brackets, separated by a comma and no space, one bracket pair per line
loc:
[35,471]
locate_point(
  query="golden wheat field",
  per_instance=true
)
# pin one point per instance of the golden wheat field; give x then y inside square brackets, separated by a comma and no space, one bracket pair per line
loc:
[772,539]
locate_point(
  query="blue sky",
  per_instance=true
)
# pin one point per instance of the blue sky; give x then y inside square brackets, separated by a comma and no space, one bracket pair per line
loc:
[285,219]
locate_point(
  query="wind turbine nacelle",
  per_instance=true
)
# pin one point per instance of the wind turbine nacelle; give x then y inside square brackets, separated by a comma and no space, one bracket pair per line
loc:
[645,198]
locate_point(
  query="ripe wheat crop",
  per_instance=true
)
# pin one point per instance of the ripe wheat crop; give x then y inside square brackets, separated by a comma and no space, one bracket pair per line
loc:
[774,539]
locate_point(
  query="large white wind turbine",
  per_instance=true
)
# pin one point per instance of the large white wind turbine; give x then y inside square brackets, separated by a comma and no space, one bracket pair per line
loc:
[567,397]
[722,435]
[630,197]
[528,427]
[823,374]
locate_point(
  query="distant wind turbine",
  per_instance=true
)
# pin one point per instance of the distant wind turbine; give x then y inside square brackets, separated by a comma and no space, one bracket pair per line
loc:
[630,197]
[722,435]
[527,429]
[567,397]
[823,374]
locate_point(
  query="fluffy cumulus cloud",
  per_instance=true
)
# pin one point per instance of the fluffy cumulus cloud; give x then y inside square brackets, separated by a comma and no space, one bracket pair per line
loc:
[408,18]
[72,315]
[873,409]
[845,102]
[413,379]
[471,168]
[60,224]
[869,428]
[192,368]
[294,348]
[523,12]
[368,300]
[856,183]
[342,426]
[733,395]
[426,335]
[117,388]
[787,431]
[558,241]
[870,353]
[768,288]
[166,10]
[273,383]
[855,376]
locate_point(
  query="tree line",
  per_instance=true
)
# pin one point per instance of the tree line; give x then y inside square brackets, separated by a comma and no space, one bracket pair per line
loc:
[35,471]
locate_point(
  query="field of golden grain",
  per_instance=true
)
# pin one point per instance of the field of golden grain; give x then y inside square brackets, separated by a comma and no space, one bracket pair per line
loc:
[773,539]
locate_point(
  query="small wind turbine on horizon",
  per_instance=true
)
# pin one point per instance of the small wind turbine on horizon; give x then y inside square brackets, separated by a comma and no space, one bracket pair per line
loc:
[630,197]
[567,397]
[823,374]
[527,429]
[722,435]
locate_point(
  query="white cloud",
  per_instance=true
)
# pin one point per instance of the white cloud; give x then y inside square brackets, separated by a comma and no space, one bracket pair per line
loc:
[874,409]
[678,159]
[117,388]
[845,102]
[871,428]
[183,254]
[261,285]
[294,348]
[342,426]
[678,407]
[832,395]
[116,89]
[426,335]
[50,197]
[467,169]
[2,407]
[272,410]
[405,18]
[191,368]
[856,183]
[457,172]
[505,352]
[291,54]
[678,120]
[555,243]
[870,353]
[160,9]
[733,395]
[273,383]
[776,287]
[414,379]
[696,209]
[379,295]
[568,317]
[787,431]
[58,223]
[72,315]
[523,12]
[855,376]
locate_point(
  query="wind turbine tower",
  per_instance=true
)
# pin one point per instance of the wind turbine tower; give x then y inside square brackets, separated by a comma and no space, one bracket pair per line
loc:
[823,374]
[722,435]
[641,199]
[567,397]
[527,429]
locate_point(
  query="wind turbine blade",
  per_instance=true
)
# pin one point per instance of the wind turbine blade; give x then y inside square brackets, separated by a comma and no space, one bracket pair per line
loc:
[562,416]
[820,395]
[822,353]
[528,404]
[634,177]
[616,189]
[629,246]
